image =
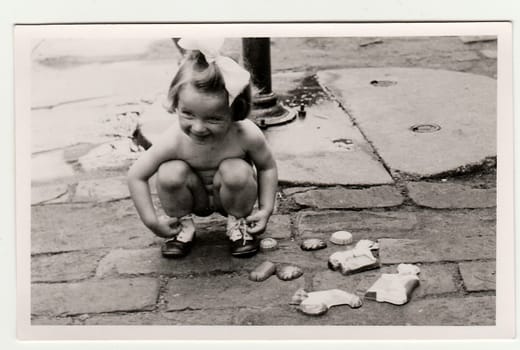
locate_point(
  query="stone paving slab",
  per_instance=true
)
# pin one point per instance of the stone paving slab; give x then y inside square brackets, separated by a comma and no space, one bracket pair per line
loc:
[450,195]
[192,317]
[61,228]
[48,193]
[489,53]
[461,223]
[371,313]
[94,296]
[434,279]
[203,259]
[446,248]
[343,198]
[216,292]
[102,190]
[362,224]
[478,275]
[463,105]
[65,267]
[467,311]
[52,321]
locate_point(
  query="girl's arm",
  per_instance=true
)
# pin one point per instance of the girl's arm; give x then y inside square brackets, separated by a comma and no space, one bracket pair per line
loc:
[267,176]
[138,177]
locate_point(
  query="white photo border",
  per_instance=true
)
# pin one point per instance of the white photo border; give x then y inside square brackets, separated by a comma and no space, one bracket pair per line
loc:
[504,327]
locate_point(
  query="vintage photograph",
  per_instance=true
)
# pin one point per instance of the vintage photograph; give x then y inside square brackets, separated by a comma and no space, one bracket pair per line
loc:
[205,180]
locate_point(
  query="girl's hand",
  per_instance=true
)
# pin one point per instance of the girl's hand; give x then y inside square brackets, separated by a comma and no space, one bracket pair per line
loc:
[257,222]
[166,227]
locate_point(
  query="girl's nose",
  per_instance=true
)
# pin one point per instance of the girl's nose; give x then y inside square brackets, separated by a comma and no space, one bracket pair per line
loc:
[198,126]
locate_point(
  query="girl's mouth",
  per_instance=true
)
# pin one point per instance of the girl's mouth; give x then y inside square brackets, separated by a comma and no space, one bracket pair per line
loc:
[199,138]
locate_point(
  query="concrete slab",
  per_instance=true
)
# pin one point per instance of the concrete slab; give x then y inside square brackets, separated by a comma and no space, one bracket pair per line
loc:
[387,102]
[49,166]
[324,148]
[102,190]
[133,79]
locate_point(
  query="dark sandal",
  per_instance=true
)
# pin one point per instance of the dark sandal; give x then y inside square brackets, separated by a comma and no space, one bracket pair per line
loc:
[174,249]
[244,248]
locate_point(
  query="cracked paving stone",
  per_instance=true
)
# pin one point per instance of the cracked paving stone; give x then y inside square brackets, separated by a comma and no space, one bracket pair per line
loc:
[467,311]
[343,198]
[450,195]
[478,276]
[65,266]
[217,292]
[49,193]
[94,296]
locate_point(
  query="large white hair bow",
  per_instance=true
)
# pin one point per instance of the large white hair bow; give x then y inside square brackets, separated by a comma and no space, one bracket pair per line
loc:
[235,77]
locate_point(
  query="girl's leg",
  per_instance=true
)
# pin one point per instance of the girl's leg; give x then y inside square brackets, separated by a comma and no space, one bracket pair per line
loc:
[235,192]
[181,193]
[180,190]
[235,187]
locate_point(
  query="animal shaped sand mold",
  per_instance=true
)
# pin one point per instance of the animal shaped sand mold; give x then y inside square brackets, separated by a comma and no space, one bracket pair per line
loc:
[395,288]
[354,260]
[318,303]
[262,271]
[313,244]
[288,272]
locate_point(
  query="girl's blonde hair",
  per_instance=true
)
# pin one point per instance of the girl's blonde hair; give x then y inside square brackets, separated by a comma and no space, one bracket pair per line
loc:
[205,77]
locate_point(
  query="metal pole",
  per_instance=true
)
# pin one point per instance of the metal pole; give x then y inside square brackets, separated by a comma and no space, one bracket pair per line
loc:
[266,111]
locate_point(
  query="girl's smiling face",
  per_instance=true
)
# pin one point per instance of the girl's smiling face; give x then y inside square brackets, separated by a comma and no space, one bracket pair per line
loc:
[204,116]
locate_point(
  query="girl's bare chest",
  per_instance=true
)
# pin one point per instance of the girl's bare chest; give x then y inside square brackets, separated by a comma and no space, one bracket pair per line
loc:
[208,158]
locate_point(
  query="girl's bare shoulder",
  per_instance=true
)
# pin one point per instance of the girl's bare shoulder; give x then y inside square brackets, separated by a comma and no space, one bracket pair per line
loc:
[248,131]
[169,140]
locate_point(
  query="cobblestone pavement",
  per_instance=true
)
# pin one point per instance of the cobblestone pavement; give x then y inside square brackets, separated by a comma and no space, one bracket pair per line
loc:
[94,263]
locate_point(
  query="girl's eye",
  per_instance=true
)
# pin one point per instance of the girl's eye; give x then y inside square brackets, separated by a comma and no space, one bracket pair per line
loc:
[187,114]
[215,121]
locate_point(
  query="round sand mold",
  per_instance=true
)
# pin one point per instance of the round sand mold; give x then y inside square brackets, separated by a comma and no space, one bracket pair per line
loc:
[288,272]
[268,244]
[341,237]
[313,309]
[313,244]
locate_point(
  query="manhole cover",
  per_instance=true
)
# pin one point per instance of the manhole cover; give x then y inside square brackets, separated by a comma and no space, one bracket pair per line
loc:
[382,83]
[425,128]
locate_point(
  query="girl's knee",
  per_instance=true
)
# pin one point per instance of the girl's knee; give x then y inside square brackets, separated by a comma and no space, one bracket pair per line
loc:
[235,173]
[173,174]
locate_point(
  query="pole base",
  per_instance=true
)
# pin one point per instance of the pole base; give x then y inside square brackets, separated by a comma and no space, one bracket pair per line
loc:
[275,115]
